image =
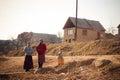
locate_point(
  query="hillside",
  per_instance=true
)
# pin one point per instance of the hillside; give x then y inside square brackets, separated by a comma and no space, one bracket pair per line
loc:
[98,47]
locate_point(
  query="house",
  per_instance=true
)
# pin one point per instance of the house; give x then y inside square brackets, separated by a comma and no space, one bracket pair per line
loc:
[86,30]
[119,29]
[24,37]
[51,38]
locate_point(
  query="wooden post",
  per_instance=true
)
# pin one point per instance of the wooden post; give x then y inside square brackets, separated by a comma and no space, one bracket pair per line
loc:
[76,20]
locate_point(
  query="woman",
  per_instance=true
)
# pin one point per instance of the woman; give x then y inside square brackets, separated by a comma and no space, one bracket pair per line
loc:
[28,62]
[41,49]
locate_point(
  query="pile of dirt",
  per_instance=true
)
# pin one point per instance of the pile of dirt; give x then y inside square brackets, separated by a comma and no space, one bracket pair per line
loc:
[98,47]
[16,52]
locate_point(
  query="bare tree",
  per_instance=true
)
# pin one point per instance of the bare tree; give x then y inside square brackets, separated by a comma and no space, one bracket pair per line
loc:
[59,34]
[24,37]
[112,30]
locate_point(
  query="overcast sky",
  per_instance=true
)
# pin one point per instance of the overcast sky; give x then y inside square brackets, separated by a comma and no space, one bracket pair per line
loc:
[49,16]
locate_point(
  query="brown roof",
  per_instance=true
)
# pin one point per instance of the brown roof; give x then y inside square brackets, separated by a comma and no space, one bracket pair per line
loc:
[83,23]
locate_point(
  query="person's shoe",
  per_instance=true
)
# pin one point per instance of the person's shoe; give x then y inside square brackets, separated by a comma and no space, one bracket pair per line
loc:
[26,70]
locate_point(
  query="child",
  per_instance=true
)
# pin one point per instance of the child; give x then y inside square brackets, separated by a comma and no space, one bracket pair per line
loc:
[60,57]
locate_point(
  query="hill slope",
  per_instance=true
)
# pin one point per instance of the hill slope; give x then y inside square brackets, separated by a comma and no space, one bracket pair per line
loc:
[98,47]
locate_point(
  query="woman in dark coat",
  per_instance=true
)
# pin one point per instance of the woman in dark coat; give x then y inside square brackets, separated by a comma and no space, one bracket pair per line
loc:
[28,62]
[41,49]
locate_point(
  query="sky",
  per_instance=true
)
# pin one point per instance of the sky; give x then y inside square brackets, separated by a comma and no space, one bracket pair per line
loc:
[49,16]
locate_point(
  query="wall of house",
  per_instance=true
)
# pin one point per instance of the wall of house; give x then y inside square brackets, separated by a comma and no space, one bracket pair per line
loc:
[119,31]
[91,35]
[67,37]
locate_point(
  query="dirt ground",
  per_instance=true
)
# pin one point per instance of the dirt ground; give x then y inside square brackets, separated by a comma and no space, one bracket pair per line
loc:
[94,67]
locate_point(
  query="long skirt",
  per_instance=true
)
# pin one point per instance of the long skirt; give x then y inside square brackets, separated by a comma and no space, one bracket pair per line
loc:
[41,58]
[28,62]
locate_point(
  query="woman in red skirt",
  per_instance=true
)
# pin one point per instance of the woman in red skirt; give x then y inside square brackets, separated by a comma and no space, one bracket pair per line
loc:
[41,49]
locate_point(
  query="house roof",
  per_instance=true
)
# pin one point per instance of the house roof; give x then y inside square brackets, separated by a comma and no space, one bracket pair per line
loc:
[45,37]
[83,23]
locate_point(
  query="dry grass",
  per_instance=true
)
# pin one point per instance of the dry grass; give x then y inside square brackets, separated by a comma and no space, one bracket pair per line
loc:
[98,47]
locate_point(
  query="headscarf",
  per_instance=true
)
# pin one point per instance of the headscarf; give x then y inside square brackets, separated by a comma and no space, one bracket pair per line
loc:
[41,42]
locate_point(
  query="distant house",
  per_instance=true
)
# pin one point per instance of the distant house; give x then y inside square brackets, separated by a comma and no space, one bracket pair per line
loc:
[51,38]
[86,30]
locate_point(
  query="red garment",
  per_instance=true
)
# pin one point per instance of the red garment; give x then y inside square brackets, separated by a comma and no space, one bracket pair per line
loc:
[41,58]
[41,49]
[41,52]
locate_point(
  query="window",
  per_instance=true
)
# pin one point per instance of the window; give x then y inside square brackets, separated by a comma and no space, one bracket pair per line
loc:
[84,32]
[70,32]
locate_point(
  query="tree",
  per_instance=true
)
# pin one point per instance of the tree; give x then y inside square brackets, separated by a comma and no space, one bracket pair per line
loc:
[112,30]
[24,37]
[59,34]
[14,42]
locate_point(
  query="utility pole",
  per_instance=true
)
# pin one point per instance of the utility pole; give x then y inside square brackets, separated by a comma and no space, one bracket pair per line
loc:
[76,20]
